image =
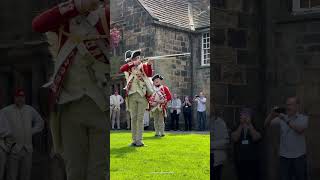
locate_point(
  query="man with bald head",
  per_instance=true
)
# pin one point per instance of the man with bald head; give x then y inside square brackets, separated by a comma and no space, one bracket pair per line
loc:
[292,149]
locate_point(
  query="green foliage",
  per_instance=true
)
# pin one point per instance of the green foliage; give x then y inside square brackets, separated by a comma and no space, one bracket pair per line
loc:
[175,156]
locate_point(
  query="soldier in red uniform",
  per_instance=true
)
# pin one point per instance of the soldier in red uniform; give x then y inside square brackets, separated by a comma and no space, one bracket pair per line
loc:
[158,104]
[138,89]
[79,126]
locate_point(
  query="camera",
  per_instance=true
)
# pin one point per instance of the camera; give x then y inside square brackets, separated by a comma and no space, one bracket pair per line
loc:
[280,110]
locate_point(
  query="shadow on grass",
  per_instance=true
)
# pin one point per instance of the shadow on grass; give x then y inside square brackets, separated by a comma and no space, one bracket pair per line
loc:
[184,133]
[122,151]
[119,131]
[152,138]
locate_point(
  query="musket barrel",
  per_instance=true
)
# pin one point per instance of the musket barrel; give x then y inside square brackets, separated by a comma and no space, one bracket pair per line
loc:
[168,56]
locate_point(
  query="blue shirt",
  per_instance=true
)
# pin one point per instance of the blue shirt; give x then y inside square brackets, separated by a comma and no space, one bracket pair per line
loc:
[201,104]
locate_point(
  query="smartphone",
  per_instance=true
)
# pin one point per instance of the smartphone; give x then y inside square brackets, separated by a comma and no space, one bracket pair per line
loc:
[280,110]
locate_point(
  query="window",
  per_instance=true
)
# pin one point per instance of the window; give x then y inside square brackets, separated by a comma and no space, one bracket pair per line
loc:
[305,6]
[205,49]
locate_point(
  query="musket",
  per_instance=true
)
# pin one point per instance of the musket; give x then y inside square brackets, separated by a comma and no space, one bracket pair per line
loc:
[144,59]
[165,56]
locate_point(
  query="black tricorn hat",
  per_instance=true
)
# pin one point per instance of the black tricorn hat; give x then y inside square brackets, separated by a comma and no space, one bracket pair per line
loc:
[132,54]
[157,76]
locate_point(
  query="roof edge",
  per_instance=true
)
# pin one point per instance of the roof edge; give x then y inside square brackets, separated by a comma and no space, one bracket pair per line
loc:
[148,10]
[173,26]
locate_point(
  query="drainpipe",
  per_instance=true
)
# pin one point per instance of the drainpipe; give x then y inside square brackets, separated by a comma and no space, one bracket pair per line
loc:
[191,24]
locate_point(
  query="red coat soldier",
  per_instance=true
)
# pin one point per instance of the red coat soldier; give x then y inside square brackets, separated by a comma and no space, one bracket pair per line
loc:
[138,88]
[79,127]
[158,104]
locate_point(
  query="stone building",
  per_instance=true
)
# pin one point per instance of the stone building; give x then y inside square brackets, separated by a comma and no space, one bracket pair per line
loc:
[166,27]
[265,51]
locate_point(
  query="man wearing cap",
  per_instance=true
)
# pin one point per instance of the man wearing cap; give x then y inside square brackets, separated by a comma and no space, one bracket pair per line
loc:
[79,123]
[23,122]
[116,101]
[138,89]
[158,104]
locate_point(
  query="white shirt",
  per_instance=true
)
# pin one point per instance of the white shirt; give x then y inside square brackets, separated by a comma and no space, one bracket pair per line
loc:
[175,104]
[23,123]
[201,104]
[116,101]
[220,141]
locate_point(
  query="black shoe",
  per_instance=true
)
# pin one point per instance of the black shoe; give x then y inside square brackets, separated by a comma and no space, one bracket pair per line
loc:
[139,145]
[132,145]
[163,135]
[156,135]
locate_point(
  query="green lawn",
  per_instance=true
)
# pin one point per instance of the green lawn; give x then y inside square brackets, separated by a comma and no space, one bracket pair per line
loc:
[176,156]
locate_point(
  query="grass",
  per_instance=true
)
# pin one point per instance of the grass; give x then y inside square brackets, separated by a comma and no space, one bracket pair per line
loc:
[177,156]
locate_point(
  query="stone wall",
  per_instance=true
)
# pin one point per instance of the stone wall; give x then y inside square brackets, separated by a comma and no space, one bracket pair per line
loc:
[236,73]
[139,32]
[177,71]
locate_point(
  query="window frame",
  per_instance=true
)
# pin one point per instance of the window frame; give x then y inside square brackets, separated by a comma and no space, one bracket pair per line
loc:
[296,9]
[203,49]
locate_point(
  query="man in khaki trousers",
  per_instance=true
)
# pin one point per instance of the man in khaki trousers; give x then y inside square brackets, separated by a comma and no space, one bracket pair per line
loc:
[24,121]
[138,87]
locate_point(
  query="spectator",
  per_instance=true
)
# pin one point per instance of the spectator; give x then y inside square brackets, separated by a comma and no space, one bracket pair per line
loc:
[187,113]
[24,121]
[128,120]
[201,110]
[115,102]
[292,150]
[245,138]
[219,145]
[4,148]
[146,119]
[175,109]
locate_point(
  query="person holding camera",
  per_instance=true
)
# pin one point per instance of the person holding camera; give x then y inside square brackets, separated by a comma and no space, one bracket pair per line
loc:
[246,138]
[292,150]
[201,110]
[175,110]
[187,113]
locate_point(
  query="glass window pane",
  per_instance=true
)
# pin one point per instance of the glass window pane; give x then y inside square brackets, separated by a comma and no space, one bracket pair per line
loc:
[304,3]
[315,3]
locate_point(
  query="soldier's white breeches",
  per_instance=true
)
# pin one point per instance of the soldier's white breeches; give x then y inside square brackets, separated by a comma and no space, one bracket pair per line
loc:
[137,107]
[158,122]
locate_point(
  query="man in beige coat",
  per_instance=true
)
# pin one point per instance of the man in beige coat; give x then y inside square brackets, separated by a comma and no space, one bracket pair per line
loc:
[24,121]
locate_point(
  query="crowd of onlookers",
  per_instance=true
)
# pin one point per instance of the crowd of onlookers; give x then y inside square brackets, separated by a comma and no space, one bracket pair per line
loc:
[246,137]
[177,110]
